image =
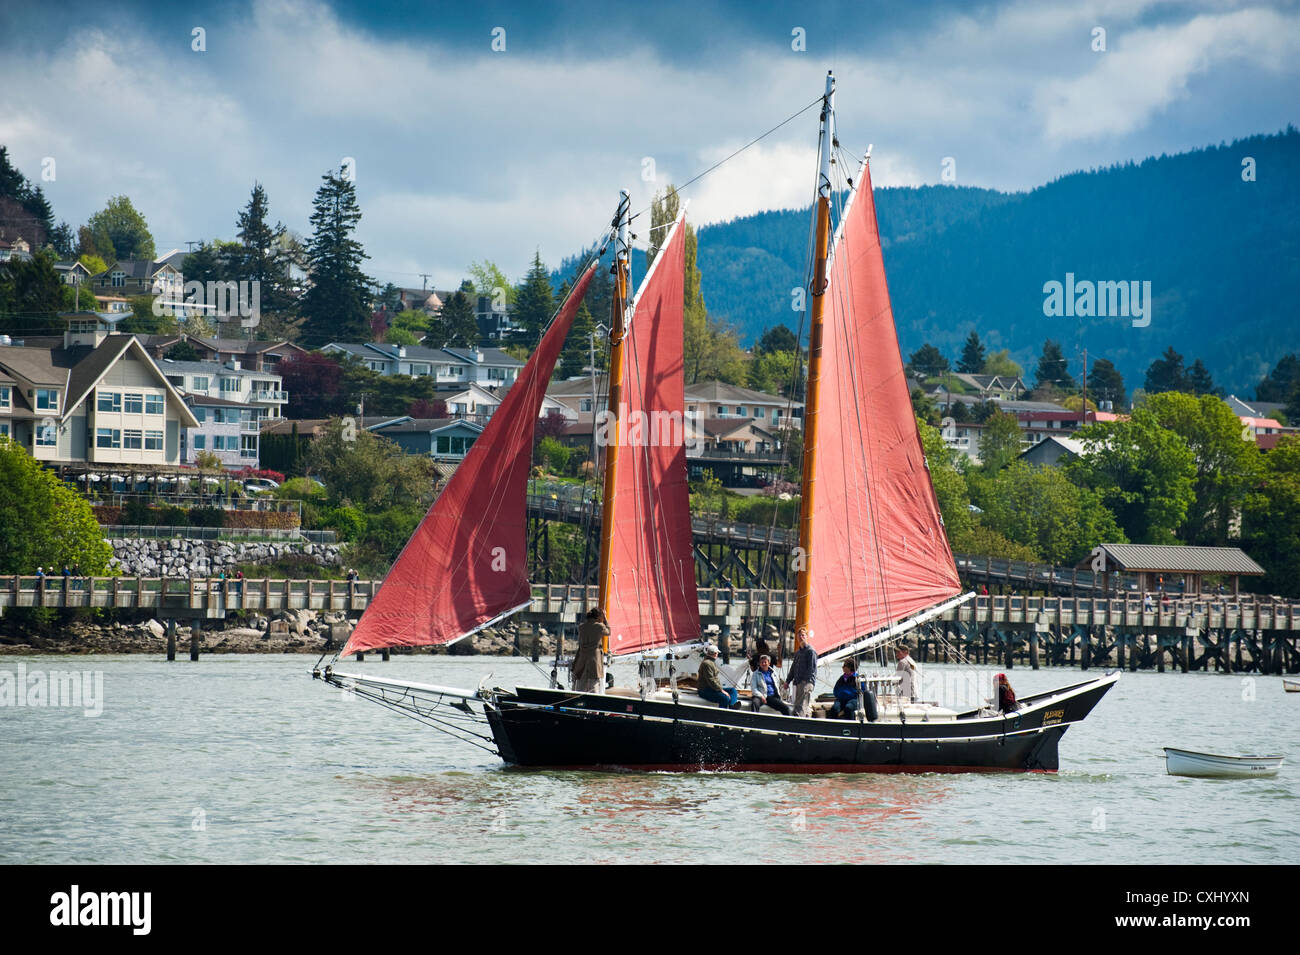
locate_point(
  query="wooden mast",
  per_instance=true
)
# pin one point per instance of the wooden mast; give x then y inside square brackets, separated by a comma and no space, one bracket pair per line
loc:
[803,607]
[613,426]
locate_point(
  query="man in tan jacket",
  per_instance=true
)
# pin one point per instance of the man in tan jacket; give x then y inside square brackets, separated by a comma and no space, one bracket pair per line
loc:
[589,664]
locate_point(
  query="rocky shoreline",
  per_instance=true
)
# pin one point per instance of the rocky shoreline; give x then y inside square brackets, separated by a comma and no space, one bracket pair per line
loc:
[293,631]
[185,557]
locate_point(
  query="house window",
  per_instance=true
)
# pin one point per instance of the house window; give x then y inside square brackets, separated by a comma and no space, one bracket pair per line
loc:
[584,404]
[722,411]
[134,403]
[741,411]
[496,374]
[108,438]
[4,429]
[153,441]
[132,440]
[200,442]
[5,400]
[47,436]
[118,279]
[109,401]
[153,404]
[452,445]
[231,384]
[248,446]
[47,399]
[200,415]
[200,383]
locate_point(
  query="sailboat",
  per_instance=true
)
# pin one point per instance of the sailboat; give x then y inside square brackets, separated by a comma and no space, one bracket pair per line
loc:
[873,559]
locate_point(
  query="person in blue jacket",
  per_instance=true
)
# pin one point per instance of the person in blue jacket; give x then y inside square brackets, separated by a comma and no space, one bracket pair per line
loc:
[845,706]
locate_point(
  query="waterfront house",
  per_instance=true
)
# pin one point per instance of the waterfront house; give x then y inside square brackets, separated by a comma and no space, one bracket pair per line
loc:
[229,429]
[450,366]
[708,400]
[441,438]
[94,398]
[264,390]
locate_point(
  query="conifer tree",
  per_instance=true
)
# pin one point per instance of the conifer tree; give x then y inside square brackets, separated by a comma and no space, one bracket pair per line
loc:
[534,304]
[1052,369]
[262,257]
[335,306]
[972,355]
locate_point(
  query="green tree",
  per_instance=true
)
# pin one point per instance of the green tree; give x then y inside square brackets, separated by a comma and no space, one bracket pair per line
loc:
[1053,369]
[773,373]
[1000,443]
[456,325]
[1105,383]
[578,346]
[43,522]
[31,295]
[363,470]
[927,361]
[489,280]
[262,256]
[972,355]
[534,304]
[1199,381]
[120,232]
[1282,382]
[1144,473]
[1227,467]
[1167,373]
[1000,363]
[1040,508]
[949,488]
[1271,519]
[335,306]
[778,338]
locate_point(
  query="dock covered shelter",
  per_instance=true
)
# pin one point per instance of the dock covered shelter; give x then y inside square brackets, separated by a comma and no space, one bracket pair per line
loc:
[1172,568]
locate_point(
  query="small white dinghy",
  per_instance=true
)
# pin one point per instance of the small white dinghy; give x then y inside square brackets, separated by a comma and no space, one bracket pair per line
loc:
[1183,762]
[1290,684]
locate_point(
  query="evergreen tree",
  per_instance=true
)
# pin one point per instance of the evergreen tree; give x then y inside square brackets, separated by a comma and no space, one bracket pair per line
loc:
[457,326]
[576,355]
[927,361]
[63,242]
[1105,383]
[972,355]
[335,305]
[534,304]
[13,184]
[262,257]
[1053,369]
[775,339]
[31,295]
[41,209]
[211,262]
[1281,383]
[1199,381]
[1167,374]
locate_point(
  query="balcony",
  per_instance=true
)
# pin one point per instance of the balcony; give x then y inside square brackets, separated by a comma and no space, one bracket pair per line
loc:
[270,396]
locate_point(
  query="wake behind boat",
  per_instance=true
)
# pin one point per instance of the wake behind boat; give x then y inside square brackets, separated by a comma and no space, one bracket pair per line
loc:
[873,559]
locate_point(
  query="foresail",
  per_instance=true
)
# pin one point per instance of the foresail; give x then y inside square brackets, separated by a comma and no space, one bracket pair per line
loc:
[466,565]
[653,602]
[878,551]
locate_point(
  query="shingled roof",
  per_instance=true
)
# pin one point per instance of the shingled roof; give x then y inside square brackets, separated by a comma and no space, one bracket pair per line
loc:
[1179,559]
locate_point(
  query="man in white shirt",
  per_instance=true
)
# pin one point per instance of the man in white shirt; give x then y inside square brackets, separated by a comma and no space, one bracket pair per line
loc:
[909,673]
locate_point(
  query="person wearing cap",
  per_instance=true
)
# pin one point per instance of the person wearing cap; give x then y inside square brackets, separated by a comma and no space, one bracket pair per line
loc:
[709,681]
[589,662]
[803,672]
[909,673]
[763,688]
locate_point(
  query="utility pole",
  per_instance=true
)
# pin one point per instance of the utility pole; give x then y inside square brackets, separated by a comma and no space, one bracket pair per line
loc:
[425,276]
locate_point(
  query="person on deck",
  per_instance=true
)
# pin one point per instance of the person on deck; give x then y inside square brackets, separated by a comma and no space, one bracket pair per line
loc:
[1006,696]
[845,706]
[909,673]
[589,663]
[763,688]
[709,681]
[803,672]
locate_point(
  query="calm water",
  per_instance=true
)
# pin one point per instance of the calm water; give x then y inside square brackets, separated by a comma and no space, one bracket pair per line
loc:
[240,759]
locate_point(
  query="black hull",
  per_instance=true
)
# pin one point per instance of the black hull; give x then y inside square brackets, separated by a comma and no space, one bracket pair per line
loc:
[562,729]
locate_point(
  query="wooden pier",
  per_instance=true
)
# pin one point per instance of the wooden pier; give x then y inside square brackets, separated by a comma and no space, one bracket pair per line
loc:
[1231,634]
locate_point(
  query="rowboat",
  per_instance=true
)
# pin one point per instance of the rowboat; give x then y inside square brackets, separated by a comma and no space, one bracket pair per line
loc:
[1291,686]
[1183,762]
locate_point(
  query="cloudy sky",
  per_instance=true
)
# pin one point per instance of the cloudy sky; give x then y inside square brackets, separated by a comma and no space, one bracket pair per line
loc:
[464,152]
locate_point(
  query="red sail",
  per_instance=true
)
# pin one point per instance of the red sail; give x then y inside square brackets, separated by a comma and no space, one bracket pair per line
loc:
[466,565]
[652,591]
[878,552]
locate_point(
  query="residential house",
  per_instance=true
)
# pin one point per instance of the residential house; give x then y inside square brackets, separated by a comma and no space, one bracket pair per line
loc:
[95,398]
[1052,450]
[130,277]
[72,272]
[489,367]
[16,248]
[990,387]
[419,300]
[440,438]
[253,355]
[229,429]
[707,400]
[264,390]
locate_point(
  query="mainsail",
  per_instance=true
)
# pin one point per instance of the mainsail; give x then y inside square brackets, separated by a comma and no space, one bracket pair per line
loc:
[652,598]
[878,551]
[466,565]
